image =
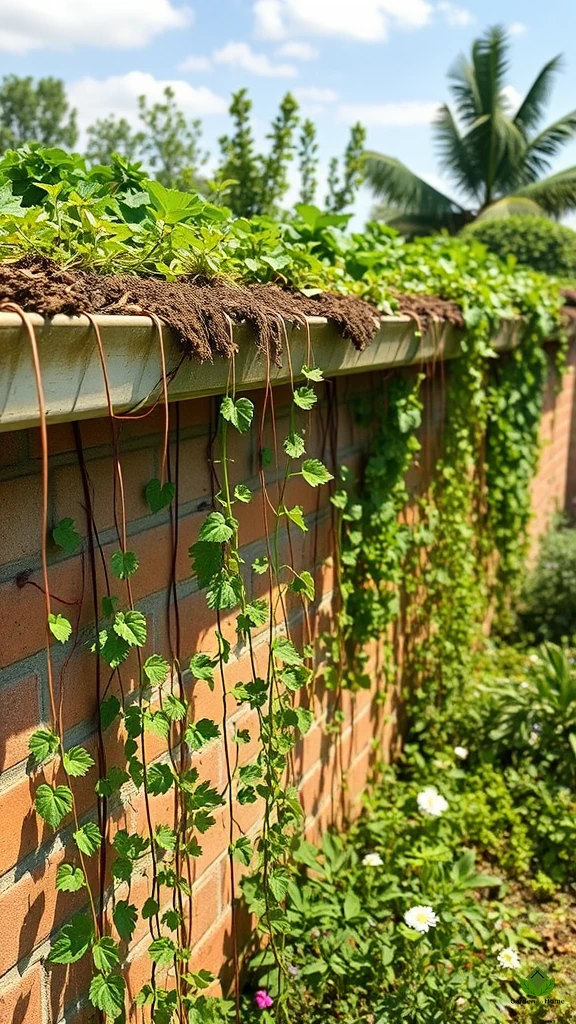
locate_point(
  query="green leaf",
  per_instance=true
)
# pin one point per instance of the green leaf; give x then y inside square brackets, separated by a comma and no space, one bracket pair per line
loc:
[294,446]
[352,906]
[313,373]
[113,649]
[315,472]
[198,734]
[66,536]
[216,529]
[255,614]
[224,591]
[73,941]
[109,710]
[241,850]
[242,493]
[108,606]
[158,497]
[284,650]
[296,515]
[77,762]
[260,565]
[88,838]
[53,804]
[239,413]
[156,668]
[162,951]
[124,564]
[266,457]
[112,782]
[157,722]
[278,883]
[43,744]
[165,837]
[106,954]
[207,560]
[125,916]
[241,736]
[159,779]
[303,583]
[107,994]
[131,627]
[59,627]
[305,718]
[202,667]
[150,908]
[69,878]
[174,708]
[305,398]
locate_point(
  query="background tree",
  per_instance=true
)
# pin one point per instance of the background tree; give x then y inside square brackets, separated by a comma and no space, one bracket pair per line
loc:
[171,143]
[342,187]
[35,112]
[308,162]
[239,162]
[111,135]
[260,180]
[496,157]
[275,166]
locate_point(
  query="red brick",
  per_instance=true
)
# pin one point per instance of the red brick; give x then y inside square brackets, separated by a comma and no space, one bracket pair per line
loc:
[20,717]
[21,1001]
[21,517]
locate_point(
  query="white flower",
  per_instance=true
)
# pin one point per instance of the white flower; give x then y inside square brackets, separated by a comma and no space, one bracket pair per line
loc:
[372,860]
[509,958]
[431,802]
[534,659]
[421,919]
[461,752]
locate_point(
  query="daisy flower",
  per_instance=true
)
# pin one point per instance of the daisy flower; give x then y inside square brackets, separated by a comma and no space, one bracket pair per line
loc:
[509,958]
[421,919]
[372,860]
[431,802]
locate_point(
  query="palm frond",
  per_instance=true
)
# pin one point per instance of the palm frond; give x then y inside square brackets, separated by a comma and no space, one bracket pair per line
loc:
[530,111]
[490,62]
[456,155]
[464,88]
[544,146]
[392,181]
[555,194]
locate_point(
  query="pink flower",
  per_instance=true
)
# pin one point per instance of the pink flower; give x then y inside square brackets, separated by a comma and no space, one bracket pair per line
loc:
[262,999]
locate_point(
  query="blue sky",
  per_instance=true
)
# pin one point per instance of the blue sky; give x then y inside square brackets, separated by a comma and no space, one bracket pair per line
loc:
[381,61]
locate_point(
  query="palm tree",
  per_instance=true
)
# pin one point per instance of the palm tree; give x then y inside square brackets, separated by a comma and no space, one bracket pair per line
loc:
[495,157]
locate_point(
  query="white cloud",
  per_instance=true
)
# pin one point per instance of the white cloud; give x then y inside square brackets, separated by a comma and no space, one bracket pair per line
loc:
[316,94]
[27,25]
[512,98]
[240,55]
[517,28]
[119,95]
[406,112]
[364,20]
[195,63]
[456,17]
[298,51]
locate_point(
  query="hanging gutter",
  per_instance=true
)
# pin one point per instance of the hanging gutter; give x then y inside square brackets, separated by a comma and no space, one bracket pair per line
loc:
[74,384]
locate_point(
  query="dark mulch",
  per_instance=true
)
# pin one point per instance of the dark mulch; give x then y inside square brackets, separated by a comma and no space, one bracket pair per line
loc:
[201,313]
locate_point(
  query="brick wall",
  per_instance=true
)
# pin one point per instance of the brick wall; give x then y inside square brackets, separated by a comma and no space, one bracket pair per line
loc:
[331,772]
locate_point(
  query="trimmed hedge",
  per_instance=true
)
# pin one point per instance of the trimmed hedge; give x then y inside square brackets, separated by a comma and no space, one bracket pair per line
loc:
[538,242]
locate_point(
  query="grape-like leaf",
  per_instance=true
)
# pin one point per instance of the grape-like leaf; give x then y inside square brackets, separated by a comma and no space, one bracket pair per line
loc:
[198,734]
[158,497]
[162,951]
[59,627]
[125,916]
[305,398]
[124,564]
[72,941]
[131,627]
[216,529]
[107,994]
[156,668]
[294,446]
[239,413]
[296,516]
[315,472]
[202,667]
[88,838]
[43,744]
[106,954]
[69,878]
[77,762]
[53,804]
[66,536]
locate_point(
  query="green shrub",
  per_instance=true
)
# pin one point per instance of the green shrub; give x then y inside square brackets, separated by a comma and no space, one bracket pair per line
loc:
[547,609]
[538,242]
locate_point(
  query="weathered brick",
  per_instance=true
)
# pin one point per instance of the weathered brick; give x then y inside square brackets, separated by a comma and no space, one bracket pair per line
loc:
[20,717]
